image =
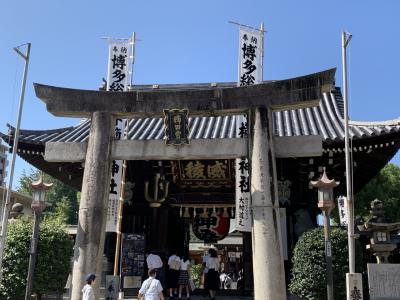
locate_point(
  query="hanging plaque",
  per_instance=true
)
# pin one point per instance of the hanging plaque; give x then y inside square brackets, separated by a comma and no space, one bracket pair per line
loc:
[176,126]
[204,174]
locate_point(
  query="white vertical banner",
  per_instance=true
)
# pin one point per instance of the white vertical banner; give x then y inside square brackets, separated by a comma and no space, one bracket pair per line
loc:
[342,207]
[117,81]
[115,183]
[118,62]
[249,73]
[242,182]
[250,55]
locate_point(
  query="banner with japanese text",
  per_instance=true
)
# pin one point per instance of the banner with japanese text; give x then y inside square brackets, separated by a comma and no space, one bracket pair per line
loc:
[118,63]
[249,73]
[342,207]
[117,81]
[115,183]
[250,56]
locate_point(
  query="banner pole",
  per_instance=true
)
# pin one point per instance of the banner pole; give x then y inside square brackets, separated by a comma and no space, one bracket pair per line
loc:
[262,51]
[118,243]
[132,56]
[7,204]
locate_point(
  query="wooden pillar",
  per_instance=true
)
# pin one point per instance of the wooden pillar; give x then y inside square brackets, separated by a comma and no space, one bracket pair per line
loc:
[268,265]
[89,244]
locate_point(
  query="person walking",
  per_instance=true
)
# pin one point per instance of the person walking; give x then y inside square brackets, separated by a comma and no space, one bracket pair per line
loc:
[183,280]
[212,282]
[87,290]
[174,264]
[151,288]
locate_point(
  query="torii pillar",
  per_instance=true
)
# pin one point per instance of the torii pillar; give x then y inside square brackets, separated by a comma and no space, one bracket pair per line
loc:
[268,264]
[102,107]
[89,245]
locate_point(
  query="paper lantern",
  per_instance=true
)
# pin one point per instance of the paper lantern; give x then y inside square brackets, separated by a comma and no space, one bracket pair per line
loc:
[211,229]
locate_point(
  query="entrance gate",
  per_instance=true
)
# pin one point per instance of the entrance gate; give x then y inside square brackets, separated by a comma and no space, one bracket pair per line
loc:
[258,101]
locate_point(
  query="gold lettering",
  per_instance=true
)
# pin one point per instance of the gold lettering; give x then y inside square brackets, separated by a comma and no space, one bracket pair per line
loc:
[195,170]
[216,171]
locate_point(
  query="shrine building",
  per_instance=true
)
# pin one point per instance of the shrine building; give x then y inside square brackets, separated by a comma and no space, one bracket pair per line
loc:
[191,192]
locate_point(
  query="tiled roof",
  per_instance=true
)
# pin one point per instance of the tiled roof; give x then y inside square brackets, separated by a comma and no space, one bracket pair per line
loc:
[325,120]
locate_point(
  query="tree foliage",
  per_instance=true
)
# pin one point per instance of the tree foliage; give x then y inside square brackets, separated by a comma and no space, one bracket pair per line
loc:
[196,273]
[63,199]
[52,263]
[308,271]
[386,187]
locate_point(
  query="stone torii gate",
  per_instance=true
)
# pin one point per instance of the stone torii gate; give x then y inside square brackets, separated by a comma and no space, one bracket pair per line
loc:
[103,107]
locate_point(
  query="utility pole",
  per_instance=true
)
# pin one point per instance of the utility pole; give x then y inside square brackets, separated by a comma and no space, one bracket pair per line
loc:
[7,205]
[350,227]
[353,279]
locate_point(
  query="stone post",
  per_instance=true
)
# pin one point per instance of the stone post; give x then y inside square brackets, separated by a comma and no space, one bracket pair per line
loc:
[89,244]
[268,265]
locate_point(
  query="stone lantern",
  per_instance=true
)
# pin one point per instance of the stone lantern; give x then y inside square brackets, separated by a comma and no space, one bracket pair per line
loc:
[326,203]
[380,228]
[38,205]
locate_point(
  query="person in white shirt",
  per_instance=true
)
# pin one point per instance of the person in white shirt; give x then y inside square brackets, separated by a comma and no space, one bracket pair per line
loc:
[212,278]
[154,262]
[183,280]
[87,290]
[151,288]
[174,264]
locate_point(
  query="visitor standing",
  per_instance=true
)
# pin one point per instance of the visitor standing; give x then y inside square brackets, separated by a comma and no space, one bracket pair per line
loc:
[212,277]
[151,288]
[87,290]
[183,280]
[174,264]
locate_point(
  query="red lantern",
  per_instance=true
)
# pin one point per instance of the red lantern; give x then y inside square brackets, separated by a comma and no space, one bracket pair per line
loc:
[211,229]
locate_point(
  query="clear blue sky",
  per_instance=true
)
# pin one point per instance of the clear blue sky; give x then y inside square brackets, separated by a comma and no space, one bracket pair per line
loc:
[191,41]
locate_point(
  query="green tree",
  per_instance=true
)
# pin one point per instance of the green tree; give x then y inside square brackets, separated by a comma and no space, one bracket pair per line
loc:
[63,210]
[53,259]
[386,187]
[308,271]
[58,195]
[196,273]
